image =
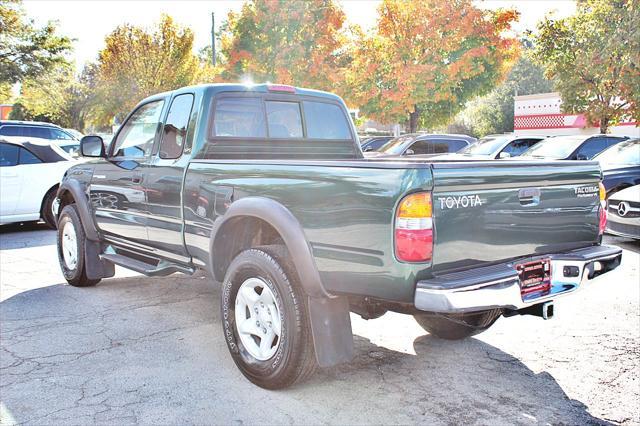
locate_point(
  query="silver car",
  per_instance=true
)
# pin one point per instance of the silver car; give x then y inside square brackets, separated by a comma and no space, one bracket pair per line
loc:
[624,213]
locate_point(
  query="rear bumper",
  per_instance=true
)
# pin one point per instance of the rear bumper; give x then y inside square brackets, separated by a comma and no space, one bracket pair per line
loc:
[498,286]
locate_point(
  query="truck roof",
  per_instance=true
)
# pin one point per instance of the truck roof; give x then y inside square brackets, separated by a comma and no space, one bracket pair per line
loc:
[215,88]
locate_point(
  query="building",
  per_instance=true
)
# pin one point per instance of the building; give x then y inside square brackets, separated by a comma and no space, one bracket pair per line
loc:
[5,110]
[541,114]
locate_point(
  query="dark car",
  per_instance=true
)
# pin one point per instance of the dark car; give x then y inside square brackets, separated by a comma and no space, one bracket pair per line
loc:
[374,143]
[421,144]
[620,165]
[573,147]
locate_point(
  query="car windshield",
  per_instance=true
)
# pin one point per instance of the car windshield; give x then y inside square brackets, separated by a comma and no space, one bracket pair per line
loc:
[625,153]
[485,146]
[396,146]
[556,148]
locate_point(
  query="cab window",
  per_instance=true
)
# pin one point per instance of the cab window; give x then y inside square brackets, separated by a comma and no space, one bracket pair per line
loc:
[174,131]
[137,134]
[284,120]
[239,117]
[325,121]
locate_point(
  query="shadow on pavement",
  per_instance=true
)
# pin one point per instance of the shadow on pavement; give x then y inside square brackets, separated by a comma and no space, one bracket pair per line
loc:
[27,234]
[151,350]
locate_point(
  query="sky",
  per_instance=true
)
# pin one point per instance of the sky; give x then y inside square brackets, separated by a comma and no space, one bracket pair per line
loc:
[89,21]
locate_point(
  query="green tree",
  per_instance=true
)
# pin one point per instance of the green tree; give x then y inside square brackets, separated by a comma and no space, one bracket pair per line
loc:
[60,97]
[593,58]
[136,63]
[25,50]
[285,41]
[494,112]
[427,58]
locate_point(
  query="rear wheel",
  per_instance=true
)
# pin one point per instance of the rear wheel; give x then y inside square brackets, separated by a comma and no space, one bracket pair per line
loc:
[47,214]
[71,248]
[265,321]
[457,326]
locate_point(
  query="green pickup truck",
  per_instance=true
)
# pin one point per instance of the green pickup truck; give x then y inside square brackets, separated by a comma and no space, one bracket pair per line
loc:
[266,188]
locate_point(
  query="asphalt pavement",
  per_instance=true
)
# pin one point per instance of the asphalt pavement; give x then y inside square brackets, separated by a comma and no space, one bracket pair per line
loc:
[138,350]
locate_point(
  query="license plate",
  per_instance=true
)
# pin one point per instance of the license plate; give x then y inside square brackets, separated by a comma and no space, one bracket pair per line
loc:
[535,278]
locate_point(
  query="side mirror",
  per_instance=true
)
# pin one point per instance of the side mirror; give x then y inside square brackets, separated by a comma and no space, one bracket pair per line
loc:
[582,157]
[409,152]
[92,146]
[504,155]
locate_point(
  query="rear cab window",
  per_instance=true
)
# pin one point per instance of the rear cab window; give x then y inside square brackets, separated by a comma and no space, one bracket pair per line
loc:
[265,125]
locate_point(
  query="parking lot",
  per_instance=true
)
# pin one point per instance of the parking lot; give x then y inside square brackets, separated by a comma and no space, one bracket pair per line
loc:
[150,350]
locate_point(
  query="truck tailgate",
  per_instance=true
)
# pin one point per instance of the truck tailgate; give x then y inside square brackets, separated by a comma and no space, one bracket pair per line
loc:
[486,212]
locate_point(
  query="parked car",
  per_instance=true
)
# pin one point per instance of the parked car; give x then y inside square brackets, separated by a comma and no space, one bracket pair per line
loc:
[620,165]
[36,129]
[30,171]
[624,213]
[420,144]
[374,143]
[493,147]
[76,134]
[574,147]
[266,188]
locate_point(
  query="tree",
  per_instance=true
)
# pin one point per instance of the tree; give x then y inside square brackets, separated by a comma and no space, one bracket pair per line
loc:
[594,59]
[285,41]
[136,64]
[427,58]
[27,51]
[494,112]
[60,97]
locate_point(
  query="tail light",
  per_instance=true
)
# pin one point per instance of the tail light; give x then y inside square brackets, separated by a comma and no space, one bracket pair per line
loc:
[414,228]
[602,223]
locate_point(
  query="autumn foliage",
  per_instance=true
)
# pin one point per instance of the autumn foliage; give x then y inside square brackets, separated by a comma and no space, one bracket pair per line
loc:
[427,58]
[290,42]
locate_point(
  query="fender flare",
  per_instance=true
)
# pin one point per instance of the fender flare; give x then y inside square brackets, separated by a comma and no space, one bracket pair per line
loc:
[81,199]
[328,314]
[285,223]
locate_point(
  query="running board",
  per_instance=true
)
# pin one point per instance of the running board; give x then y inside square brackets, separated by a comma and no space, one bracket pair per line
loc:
[160,270]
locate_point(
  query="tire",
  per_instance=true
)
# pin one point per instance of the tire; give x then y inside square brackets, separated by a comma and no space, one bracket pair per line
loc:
[457,326]
[47,208]
[287,358]
[74,271]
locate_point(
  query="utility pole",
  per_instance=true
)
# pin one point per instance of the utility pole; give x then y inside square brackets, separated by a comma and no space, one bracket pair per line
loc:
[213,38]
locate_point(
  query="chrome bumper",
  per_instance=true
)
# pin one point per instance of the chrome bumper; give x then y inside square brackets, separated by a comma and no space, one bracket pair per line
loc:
[498,286]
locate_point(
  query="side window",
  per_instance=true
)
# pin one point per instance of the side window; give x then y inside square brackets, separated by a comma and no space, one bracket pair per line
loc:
[26,157]
[592,147]
[175,129]
[519,146]
[60,135]
[37,132]
[420,147]
[456,145]
[325,121]
[136,136]
[239,117]
[12,131]
[284,119]
[8,154]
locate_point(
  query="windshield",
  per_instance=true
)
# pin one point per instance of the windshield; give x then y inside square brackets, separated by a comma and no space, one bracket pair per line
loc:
[625,153]
[396,146]
[557,147]
[485,146]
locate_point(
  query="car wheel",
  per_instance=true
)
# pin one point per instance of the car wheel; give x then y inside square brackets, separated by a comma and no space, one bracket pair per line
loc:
[47,214]
[71,248]
[457,326]
[265,320]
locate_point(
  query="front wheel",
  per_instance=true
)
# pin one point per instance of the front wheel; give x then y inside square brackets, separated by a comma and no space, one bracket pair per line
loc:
[71,242]
[264,319]
[457,326]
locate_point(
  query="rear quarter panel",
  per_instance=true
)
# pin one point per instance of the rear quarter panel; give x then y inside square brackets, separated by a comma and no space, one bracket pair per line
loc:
[346,212]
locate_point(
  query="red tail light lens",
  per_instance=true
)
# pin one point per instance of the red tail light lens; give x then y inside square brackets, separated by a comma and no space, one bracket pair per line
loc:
[414,228]
[281,88]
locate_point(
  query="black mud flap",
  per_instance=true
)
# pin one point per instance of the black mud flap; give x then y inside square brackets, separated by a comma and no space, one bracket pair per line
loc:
[331,328]
[95,267]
